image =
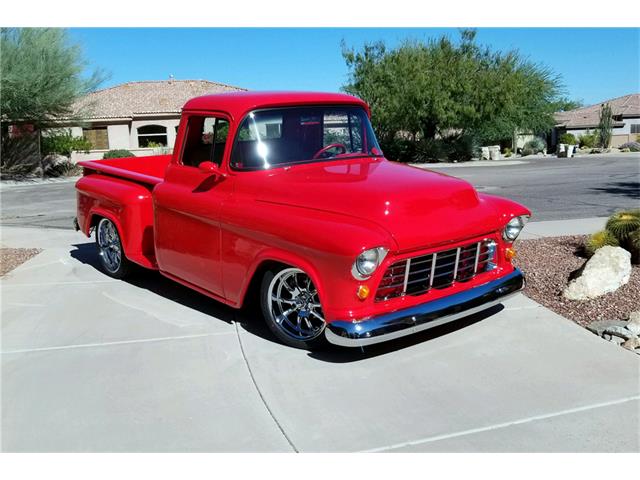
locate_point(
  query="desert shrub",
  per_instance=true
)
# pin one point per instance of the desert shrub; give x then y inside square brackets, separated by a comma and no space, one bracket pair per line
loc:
[588,140]
[533,146]
[568,138]
[64,144]
[20,156]
[63,169]
[599,240]
[632,146]
[117,154]
[399,150]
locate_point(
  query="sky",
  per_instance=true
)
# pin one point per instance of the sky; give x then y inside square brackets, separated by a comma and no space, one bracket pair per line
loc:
[594,64]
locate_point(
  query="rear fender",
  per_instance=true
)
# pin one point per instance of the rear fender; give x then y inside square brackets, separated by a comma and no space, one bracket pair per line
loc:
[128,205]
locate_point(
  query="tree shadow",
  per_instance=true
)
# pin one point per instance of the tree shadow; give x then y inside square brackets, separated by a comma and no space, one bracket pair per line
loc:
[625,189]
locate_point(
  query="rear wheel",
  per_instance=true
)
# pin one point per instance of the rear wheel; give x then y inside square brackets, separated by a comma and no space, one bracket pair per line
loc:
[110,252]
[291,308]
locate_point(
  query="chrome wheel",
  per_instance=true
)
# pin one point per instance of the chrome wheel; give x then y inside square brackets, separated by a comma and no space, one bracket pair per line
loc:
[294,305]
[109,245]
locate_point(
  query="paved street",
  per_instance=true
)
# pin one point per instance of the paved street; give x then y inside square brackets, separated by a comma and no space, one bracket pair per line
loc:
[554,189]
[560,189]
[94,364]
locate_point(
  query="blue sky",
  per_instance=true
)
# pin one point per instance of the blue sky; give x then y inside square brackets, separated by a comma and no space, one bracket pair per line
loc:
[595,64]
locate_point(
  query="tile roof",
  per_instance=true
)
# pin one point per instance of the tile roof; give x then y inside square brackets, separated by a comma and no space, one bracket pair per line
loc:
[147,97]
[627,106]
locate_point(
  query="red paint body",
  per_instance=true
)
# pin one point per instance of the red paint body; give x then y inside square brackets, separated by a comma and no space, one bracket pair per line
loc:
[213,230]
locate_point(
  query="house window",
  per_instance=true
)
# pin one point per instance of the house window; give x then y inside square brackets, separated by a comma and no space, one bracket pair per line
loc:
[635,128]
[152,136]
[98,137]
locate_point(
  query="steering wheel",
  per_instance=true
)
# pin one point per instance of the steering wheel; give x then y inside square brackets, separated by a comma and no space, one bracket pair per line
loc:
[320,152]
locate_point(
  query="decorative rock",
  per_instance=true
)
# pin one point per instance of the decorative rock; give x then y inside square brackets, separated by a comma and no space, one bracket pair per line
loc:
[606,271]
[617,340]
[632,343]
[634,323]
[617,331]
[599,326]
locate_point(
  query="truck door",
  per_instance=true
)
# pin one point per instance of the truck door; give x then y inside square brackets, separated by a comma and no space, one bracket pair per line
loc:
[188,203]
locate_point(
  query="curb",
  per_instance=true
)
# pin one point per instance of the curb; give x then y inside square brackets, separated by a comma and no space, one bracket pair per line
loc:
[7,184]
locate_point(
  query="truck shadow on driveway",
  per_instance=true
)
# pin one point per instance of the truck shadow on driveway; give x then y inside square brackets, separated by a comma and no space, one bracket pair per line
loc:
[158,284]
[250,319]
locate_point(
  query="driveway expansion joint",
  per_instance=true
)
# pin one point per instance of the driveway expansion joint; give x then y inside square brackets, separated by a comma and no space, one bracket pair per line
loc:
[262,399]
[498,426]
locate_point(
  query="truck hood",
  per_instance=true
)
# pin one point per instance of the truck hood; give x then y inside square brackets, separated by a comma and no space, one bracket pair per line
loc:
[419,208]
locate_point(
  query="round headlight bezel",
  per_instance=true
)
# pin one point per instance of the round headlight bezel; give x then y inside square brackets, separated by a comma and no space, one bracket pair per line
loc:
[514,227]
[367,262]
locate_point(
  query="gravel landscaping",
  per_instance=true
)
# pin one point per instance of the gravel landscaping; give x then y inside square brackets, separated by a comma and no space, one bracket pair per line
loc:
[11,258]
[548,264]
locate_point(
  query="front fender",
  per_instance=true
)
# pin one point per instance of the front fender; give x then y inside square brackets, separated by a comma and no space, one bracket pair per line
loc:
[323,244]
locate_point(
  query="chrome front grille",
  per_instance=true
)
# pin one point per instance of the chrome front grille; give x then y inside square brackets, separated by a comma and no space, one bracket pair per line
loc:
[417,275]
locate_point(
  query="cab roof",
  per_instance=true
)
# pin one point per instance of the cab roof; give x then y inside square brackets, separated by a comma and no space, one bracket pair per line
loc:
[238,103]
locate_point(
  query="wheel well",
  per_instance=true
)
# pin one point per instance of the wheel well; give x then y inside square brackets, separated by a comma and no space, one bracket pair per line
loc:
[253,290]
[95,219]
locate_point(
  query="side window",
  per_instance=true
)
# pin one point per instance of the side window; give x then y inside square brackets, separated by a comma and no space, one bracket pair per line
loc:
[205,140]
[344,128]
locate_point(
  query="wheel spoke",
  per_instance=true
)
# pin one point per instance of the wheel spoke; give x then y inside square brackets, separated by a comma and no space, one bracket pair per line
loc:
[302,299]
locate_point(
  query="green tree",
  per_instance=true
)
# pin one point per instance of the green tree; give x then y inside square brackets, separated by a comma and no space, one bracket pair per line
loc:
[446,97]
[605,127]
[41,75]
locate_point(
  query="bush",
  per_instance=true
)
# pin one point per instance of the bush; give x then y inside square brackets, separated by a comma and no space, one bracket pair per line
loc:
[64,144]
[568,138]
[588,140]
[599,240]
[534,146]
[507,152]
[117,154]
[632,146]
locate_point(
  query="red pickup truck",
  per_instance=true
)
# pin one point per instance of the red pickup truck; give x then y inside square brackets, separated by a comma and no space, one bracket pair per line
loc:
[287,197]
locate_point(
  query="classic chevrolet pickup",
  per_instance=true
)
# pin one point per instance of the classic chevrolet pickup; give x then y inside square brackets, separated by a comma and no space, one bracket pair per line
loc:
[287,198]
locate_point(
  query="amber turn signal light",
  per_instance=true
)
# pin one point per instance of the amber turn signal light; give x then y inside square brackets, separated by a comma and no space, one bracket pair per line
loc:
[509,253]
[363,292]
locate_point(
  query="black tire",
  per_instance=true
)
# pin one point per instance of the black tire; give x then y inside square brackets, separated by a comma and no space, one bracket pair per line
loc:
[110,252]
[313,341]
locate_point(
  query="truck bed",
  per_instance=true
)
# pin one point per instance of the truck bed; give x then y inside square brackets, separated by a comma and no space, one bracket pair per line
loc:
[147,170]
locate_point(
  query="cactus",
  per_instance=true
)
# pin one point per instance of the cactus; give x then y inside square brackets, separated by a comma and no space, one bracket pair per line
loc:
[623,224]
[634,245]
[600,239]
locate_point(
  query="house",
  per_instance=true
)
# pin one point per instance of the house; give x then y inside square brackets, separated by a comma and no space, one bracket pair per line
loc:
[626,120]
[141,117]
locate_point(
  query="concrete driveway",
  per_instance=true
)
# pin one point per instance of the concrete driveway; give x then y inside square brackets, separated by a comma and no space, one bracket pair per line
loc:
[94,364]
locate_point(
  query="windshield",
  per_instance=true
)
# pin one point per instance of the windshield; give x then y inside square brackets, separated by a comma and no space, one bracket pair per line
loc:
[285,136]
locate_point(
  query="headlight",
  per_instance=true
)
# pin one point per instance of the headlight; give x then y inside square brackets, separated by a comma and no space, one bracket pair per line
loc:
[367,262]
[514,227]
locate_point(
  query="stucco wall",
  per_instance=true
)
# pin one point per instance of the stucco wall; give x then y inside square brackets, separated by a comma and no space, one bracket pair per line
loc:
[118,136]
[169,123]
[137,152]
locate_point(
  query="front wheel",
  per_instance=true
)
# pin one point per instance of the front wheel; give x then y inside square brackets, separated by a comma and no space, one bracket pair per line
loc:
[291,308]
[110,252]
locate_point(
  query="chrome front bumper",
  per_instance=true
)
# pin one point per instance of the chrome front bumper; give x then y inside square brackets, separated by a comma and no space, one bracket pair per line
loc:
[424,316]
